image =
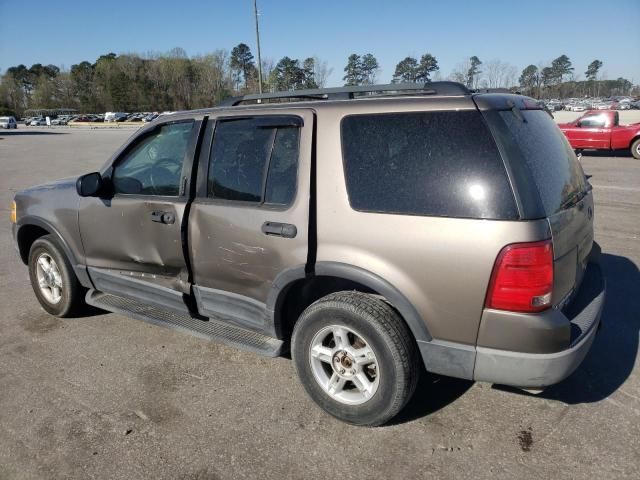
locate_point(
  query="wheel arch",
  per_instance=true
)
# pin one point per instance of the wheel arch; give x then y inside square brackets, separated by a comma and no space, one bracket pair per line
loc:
[30,228]
[294,290]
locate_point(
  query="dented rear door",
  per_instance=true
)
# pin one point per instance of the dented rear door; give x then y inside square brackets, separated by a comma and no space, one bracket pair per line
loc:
[249,220]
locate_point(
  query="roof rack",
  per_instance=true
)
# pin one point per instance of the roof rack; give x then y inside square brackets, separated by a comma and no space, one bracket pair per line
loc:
[493,90]
[347,93]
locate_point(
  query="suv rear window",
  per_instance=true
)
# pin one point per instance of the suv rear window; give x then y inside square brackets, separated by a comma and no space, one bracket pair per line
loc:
[552,164]
[425,163]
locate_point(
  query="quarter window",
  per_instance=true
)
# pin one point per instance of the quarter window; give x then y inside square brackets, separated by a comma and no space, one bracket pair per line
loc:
[425,163]
[154,165]
[254,160]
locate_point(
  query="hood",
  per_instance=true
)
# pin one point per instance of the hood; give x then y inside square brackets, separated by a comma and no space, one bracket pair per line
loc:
[62,184]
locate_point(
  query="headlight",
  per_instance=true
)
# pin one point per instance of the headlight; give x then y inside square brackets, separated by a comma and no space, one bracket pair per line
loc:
[14,213]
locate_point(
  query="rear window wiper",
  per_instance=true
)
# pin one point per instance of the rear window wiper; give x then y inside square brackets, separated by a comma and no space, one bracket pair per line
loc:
[516,111]
[574,199]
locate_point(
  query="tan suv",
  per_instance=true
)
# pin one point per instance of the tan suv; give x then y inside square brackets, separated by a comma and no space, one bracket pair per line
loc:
[369,230]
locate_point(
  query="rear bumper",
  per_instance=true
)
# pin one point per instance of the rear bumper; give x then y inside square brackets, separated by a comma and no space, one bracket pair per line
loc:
[537,370]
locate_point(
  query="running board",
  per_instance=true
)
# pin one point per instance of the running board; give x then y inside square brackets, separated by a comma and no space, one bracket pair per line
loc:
[184,322]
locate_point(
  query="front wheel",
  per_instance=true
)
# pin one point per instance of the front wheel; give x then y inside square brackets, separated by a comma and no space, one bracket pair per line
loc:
[355,357]
[53,280]
[635,149]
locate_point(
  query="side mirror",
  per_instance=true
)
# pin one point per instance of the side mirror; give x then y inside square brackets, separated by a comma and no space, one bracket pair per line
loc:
[578,124]
[90,185]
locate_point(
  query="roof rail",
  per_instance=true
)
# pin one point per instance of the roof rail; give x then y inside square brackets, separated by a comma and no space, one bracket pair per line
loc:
[493,90]
[347,93]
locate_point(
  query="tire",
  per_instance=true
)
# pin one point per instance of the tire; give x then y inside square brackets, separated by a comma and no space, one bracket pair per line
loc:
[635,149]
[58,274]
[332,366]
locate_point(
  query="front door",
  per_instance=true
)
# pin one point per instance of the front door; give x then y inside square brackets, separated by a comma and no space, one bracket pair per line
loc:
[249,220]
[133,241]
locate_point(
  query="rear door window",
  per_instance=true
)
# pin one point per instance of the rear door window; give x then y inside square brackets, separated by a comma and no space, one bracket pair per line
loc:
[254,160]
[425,163]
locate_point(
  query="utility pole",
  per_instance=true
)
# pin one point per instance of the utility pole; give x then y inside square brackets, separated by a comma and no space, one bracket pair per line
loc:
[255,12]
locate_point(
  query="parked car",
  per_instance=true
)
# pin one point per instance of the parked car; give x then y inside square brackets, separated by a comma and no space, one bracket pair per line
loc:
[601,130]
[39,121]
[151,117]
[59,121]
[370,236]
[114,116]
[8,122]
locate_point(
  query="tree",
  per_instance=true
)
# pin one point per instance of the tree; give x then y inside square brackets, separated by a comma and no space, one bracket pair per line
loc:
[406,70]
[592,73]
[241,64]
[288,75]
[473,73]
[428,65]
[83,85]
[549,77]
[499,74]
[321,71]
[529,79]
[353,70]
[309,68]
[369,68]
[593,69]
[561,66]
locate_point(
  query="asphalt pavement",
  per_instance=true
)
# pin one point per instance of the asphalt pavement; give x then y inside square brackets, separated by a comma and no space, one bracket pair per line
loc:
[105,396]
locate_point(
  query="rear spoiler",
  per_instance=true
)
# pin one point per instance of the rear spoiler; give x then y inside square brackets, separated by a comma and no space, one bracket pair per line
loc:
[504,101]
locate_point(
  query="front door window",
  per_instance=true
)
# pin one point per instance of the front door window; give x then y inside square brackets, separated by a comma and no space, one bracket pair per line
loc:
[154,165]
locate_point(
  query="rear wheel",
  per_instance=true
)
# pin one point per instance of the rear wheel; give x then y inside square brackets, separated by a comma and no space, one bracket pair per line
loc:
[635,149]
[355,357]
[53,280]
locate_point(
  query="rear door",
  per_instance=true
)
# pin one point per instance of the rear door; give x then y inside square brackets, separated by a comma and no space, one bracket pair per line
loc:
[551,177]
[249,221]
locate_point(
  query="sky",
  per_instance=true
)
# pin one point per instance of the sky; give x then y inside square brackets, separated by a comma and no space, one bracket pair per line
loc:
[65,32]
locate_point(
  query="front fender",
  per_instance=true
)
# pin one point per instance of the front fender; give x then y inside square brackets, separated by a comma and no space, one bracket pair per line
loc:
[23,240]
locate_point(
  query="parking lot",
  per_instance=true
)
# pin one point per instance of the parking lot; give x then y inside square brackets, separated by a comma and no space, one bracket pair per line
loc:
[106,396]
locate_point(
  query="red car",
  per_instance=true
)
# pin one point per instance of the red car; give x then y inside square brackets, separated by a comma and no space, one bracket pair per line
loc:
[601,130]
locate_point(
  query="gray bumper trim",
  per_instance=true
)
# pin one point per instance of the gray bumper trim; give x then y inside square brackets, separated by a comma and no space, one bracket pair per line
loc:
[534,370]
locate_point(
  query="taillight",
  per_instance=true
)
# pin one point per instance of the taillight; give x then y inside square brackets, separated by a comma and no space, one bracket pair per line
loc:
[522,278]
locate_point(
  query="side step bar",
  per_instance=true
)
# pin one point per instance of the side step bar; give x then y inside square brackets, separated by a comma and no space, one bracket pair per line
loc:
[182,321]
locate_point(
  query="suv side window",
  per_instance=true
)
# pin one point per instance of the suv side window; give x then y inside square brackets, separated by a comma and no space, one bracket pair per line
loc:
[254,161]
[425,163]
[154,165]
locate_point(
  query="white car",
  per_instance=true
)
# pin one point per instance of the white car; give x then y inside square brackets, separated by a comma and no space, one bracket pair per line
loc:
[37,122]
[8,122]
[578,108]
[114,116]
